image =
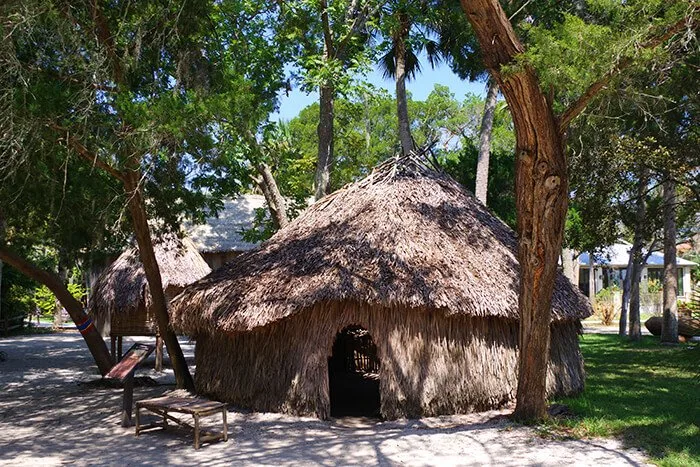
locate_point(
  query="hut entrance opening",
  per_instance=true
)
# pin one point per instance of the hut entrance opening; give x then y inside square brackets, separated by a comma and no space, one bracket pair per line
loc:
[353,374]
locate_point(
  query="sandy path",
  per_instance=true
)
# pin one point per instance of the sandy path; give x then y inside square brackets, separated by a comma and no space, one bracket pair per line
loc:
[47,418]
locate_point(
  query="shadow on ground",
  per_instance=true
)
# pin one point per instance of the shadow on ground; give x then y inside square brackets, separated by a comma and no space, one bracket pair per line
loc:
[47,417]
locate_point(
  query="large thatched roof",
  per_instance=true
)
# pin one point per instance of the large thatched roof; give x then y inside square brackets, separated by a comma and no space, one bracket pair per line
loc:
[404,236]
[122,287]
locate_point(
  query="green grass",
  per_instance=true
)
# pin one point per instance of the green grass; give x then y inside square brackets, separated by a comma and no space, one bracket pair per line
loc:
[644,393]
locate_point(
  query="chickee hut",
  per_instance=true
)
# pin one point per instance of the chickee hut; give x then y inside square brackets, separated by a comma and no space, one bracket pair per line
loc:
[394,296]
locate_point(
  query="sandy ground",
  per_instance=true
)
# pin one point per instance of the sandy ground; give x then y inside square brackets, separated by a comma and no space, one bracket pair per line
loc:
[47,417]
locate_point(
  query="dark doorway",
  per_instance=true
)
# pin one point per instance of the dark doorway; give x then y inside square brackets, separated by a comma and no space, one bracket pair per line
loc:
[353,374]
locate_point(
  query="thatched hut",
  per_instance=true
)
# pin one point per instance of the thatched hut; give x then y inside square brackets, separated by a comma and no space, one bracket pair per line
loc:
[400,290]
[220,238]
[120,299]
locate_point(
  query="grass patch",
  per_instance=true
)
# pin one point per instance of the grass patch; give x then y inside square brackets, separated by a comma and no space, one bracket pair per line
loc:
[644,393]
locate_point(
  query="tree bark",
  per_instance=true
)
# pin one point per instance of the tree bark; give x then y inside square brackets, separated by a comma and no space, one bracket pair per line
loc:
[2,239]
[635,327]
[482,164]
[626,286]
[137,209]
[541,197]
[63,277]
[324,164]
[94,341]
[567,263]
[669,323]
[273,197]
[541,185]
[400,39]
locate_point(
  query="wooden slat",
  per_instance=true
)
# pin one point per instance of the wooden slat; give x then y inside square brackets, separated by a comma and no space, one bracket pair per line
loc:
[190,406]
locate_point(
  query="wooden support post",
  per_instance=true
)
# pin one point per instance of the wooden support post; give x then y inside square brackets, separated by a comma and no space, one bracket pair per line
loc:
[113,340]
[128,400]
[138,419]
[119,348]
[196,431]
[159,353]
[224,413]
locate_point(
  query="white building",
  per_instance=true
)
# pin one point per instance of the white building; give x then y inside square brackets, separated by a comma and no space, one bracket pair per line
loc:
[610,266]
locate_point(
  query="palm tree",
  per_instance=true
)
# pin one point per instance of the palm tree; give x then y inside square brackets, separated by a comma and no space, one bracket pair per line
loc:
[400,19]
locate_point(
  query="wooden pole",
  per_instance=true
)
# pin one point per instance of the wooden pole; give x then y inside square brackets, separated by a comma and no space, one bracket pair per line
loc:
[159,353]
[128,401]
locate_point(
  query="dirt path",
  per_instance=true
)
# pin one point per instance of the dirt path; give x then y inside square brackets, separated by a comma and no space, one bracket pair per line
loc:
[48,418]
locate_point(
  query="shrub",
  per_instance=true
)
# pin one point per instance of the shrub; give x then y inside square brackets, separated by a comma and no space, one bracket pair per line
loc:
[654,286]
[604,306]
[46,301]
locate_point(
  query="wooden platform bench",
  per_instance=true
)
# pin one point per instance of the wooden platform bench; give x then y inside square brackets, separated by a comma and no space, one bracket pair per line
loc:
[196,407]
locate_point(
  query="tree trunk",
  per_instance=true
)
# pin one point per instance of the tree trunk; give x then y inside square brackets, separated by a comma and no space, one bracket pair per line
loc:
[2,240]
[58,308]
[567,263]
[324,165]
[137,209]
[626,286]
[94,341]
[669,323]
[400,40]
[635,326]
[482,164]
[273,197]
[541,197]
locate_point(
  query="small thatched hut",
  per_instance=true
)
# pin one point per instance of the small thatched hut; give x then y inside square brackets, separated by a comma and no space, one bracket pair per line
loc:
[220,238]
[120,299]
[400,290]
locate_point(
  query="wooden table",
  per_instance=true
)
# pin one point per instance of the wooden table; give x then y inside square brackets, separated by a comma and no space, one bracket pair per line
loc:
[191,406]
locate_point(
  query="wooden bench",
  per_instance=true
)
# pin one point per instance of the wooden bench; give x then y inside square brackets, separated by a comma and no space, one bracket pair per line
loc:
[196,407]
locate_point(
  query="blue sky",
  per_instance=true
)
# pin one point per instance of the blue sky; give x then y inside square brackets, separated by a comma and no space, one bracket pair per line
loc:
[419,88]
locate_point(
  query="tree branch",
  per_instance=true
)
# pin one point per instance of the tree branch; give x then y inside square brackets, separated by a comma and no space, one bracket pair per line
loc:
[105,38]
[355,26]
[579,104]
[73,143]
[327,36]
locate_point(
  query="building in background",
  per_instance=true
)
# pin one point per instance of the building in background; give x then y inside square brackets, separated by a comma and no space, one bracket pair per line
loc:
[610,267]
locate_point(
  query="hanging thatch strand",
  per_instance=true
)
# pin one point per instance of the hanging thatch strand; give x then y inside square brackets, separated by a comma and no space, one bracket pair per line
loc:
[405,236]
[122,288]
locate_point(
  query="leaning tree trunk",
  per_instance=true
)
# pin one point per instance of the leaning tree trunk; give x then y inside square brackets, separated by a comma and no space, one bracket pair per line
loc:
[635,325]
[94,341]
[482,164]
[400,43]
[626,286]
[669,323]
[137,209]
[273,197]
[541,197]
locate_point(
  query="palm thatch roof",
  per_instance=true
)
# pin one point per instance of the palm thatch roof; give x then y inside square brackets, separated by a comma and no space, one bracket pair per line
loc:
[122,288]
[224,232]
[406,236]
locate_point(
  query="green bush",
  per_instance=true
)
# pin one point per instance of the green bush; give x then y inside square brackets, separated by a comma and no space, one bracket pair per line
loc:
[45,300]
[654,286]
[17,301]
